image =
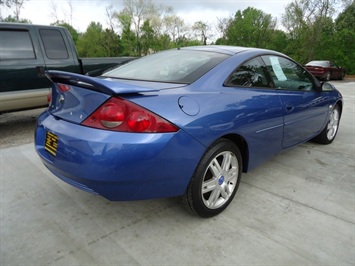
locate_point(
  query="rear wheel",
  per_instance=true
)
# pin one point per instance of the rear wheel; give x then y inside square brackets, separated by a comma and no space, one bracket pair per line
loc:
[215,180]
[329,132]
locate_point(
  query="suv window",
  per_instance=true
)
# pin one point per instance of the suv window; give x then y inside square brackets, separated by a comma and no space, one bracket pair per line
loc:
[16,45]
[54,44]
[287,75]
[250,74]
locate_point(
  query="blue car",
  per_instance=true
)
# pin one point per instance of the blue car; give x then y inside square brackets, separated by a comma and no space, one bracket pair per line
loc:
[182,123]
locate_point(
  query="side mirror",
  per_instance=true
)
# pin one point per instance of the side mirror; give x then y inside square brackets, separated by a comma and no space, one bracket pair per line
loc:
[327,86]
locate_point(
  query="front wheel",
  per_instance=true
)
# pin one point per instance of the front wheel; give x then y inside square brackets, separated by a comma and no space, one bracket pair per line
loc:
[329,132]
[215,180]
[342,76]
[327,77]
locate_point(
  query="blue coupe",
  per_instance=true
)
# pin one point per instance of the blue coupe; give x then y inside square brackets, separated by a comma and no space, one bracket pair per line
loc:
[184,122]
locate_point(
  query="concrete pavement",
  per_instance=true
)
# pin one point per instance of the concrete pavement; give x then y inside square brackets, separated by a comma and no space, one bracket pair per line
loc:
[297,209]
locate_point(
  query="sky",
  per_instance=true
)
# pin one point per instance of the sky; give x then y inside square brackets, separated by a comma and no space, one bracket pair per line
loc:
[86,11]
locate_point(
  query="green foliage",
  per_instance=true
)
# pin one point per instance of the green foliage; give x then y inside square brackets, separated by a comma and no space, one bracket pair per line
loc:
[313,35]
[251,27]
[74,33]
[14,19]
[96,42]
[344,39]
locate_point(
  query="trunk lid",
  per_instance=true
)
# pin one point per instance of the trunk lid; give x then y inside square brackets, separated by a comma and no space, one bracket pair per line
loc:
[75,97]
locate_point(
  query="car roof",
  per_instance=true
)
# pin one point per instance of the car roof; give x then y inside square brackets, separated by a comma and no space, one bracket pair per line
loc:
[326,61]
[226,49]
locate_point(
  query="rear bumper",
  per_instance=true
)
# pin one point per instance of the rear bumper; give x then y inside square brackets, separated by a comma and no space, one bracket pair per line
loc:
[119,166]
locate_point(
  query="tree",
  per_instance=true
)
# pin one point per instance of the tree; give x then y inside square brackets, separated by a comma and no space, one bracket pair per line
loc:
[147,39]
[305,22]
[174,27]
[201,30]
[111,43]
[138,11]
[90,43]
[17,5]
[67,13]
[127,35]
[73,32]
[222,28]
[250,27]
[13,19]
[344,51]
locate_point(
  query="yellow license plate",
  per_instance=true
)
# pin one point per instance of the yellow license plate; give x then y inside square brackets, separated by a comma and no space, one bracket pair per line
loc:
[51,143]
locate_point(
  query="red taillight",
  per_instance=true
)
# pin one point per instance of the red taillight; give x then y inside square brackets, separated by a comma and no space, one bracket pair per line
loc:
[121,115]
[63,87]
[111,115]
[49,97]
[138,121]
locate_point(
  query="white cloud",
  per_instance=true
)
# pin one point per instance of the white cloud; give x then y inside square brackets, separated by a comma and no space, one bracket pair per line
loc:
[85,11]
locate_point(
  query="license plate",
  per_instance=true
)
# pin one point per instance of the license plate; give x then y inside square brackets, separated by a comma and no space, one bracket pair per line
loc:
[51,143]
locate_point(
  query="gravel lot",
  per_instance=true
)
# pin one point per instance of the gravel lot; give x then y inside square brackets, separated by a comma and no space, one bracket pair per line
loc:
[18,128]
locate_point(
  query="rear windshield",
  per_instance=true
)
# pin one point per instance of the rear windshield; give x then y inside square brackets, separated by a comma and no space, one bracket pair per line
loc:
[176,66]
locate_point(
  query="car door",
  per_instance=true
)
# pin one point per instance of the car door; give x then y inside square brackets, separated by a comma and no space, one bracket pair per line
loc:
[336,71]
[259,110]
[304,105]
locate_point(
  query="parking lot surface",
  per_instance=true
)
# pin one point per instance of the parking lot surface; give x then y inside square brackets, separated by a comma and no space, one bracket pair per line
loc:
[297,209]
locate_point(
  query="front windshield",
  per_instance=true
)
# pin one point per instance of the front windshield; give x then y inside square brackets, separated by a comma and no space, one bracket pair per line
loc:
[176,66]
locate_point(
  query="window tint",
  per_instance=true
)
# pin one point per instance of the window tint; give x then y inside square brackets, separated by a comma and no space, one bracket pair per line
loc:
[54,44]
[287,75]
[250,74]
[178,66]
[16,45]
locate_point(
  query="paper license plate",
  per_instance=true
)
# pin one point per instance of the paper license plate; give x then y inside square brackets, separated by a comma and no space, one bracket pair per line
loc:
[51,143]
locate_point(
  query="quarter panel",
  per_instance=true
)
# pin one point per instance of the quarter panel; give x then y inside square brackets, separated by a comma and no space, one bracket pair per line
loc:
[120,166]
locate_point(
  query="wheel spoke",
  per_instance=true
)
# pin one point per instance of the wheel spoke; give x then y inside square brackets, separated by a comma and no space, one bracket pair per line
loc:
[226,163]
[215,168]
[225,192]
[209,185]
[211,202]
[333,124]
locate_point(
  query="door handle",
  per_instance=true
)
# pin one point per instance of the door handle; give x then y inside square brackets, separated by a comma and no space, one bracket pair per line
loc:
[40,71]
[289,108]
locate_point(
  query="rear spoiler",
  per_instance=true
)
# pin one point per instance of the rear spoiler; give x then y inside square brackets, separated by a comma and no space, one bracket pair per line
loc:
[106,86]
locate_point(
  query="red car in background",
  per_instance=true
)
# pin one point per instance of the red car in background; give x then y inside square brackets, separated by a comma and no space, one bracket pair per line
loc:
[325,70]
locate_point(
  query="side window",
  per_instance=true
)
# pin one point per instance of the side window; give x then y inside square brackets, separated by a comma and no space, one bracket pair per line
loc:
[54,44]
[16,45]
[250,74]
[287,75]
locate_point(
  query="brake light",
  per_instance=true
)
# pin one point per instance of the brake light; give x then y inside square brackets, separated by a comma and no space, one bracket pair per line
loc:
[49,97]
[118,114]
[111,115]
[63,87]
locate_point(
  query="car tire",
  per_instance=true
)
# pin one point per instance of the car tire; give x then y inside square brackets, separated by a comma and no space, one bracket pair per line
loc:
[342,76]
[327,77]
[215,180]
[330,131]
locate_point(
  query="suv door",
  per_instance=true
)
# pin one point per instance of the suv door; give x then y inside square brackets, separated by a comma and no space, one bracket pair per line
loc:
[19,82]
[57,52]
